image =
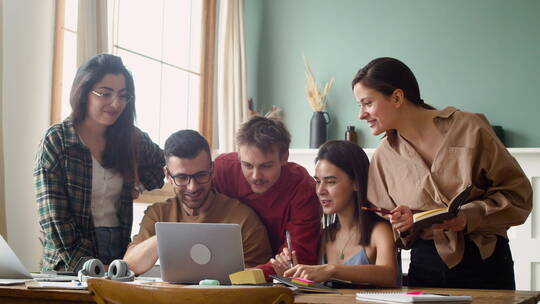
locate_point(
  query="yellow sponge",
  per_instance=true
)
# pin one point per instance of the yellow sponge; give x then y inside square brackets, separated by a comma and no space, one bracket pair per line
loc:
[248,276]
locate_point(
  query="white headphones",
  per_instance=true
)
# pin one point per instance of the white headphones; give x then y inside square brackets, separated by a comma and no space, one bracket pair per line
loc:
[118,271]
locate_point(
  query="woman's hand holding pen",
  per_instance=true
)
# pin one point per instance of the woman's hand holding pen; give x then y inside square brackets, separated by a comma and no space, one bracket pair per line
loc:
[401,218]
[283,261]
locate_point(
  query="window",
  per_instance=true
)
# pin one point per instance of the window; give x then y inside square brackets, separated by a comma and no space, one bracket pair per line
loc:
[65,57]
[160,43]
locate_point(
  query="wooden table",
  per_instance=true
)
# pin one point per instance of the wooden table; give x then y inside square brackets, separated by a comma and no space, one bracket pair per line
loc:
[20,294]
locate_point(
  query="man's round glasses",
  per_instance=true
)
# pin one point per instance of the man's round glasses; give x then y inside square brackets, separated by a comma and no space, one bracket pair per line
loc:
[109,97]
[181,179]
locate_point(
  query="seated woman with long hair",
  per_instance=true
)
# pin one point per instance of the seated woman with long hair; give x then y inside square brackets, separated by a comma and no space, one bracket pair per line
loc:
[357,245]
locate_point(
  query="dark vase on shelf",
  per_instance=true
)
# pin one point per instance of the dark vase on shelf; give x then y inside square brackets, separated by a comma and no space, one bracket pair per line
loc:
[317,129]
[499,131]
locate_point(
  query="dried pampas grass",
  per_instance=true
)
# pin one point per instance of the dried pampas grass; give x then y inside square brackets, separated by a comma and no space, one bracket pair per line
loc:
[316,98]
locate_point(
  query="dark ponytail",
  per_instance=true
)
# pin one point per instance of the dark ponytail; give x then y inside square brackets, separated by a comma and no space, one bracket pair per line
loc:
[386,74]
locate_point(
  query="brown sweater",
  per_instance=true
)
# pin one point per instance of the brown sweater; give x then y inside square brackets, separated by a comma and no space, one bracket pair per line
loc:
[469,154]
[221,209]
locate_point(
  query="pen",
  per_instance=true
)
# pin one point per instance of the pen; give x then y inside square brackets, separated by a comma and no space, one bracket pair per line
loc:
[426,293]
[52,280]
[381,211]
[289,246]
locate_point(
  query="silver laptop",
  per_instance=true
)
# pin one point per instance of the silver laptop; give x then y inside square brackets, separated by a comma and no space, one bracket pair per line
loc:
[191,252]
[12,270]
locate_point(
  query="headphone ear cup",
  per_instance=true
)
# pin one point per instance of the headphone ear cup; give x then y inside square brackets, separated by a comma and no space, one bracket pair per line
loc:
[119,271]
[94,268]
[91,268]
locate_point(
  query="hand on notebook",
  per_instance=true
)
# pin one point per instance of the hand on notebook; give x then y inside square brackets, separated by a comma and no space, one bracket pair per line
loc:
[457,223]
[283,261]
[401,218]
[317,273]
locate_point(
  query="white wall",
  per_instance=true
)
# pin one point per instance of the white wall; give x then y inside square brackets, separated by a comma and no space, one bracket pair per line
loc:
[27,75]
[2,201]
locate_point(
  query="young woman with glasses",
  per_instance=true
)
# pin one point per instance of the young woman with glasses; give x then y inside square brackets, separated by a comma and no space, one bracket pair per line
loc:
[91,166]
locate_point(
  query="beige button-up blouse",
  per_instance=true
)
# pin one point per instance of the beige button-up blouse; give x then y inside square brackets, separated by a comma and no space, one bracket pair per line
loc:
[470,153]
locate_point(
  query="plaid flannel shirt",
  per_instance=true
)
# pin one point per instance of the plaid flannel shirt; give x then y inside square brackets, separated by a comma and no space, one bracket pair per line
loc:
[63,181]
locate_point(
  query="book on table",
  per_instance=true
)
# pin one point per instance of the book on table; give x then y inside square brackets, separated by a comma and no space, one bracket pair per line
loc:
[427,218]
[314,287]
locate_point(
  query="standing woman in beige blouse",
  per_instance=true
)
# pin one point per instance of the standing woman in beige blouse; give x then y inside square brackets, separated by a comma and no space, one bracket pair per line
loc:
[427,157]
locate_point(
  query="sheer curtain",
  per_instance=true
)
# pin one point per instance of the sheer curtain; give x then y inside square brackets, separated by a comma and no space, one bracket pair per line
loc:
[3,228]
[92,30]
[231,91]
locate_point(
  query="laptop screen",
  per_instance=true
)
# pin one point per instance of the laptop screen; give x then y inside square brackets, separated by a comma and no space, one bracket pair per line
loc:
[191,252]
[10,265]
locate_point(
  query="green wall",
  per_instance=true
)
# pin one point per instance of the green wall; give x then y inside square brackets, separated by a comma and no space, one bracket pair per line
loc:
[479,56]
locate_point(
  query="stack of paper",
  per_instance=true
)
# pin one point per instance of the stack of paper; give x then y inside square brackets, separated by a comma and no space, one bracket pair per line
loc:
[57,285]
[13,281]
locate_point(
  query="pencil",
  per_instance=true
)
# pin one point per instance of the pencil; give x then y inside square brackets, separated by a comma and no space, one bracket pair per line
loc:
[381,211]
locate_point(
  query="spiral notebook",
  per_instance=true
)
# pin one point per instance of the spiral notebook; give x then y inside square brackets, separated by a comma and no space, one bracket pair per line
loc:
[409,298]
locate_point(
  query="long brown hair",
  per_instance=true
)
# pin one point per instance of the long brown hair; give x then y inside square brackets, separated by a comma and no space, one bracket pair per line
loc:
[352,160]
[120,149]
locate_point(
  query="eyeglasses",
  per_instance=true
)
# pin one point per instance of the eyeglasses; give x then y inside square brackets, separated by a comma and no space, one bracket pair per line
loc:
[181,179]
[109,97]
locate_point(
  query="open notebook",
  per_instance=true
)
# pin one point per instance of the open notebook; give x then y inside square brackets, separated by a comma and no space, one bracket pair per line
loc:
[317,287]
[409,298]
